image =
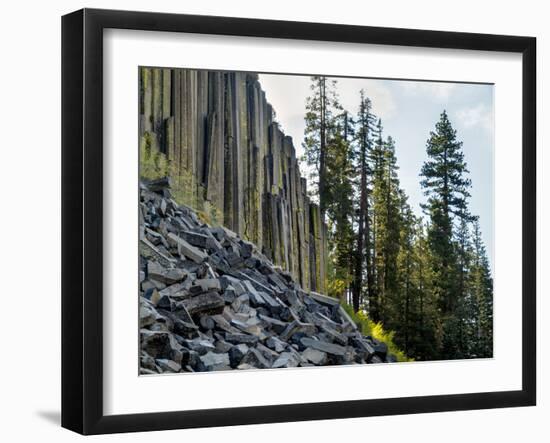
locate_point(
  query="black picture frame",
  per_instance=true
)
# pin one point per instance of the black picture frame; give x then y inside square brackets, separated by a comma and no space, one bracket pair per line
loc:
[82,216]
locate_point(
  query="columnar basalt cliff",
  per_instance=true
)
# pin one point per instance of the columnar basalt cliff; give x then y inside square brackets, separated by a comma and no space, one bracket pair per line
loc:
[230,161]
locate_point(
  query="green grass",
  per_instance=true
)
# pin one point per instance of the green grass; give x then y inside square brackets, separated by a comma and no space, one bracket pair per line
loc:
[376,331]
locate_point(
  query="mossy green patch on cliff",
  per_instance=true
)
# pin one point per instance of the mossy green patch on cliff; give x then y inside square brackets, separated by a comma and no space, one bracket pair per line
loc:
[152,163]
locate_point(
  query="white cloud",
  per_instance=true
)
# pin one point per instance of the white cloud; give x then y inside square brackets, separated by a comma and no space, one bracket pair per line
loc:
[479,115]
[288,95]
[437,90]
[383,101]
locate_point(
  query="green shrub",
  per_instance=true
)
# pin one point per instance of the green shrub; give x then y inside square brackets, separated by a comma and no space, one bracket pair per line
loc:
[376,331]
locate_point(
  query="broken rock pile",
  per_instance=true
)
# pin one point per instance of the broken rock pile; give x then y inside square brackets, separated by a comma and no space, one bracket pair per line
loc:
[210,301]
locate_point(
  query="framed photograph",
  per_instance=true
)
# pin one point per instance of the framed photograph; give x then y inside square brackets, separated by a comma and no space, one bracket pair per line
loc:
[269,221]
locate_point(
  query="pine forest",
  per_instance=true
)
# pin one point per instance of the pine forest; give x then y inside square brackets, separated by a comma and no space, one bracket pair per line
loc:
[425,278]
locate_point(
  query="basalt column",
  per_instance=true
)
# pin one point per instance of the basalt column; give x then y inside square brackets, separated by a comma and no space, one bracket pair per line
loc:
[230,161]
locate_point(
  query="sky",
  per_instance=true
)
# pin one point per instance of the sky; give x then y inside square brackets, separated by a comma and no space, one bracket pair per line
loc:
[409,111]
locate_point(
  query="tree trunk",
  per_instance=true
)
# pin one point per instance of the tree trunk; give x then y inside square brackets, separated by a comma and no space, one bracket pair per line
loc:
[359,256]
[363,217]
[322,150]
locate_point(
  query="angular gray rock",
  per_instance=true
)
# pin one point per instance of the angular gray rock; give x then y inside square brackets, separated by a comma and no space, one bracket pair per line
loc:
[157,344]
[168,365]
[297,327]
[276,344]
[147,315]
[329,348]
[318,358]
[241,338]
[148,362]
[237,353]
[255,359]
[187,250]
[169,276]
[207,323]
[210,303]
[286,360]
[201,346]
[205,285]
[214,362]
[222,347]
[381,349]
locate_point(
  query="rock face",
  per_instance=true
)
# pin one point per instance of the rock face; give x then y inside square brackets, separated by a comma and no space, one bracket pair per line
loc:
[210,301]
[231,161]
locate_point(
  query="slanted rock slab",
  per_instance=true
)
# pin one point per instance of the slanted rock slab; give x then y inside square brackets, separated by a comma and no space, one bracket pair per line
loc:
[329,348]
[210,302]
[315,356]
[186,249]
[168,365]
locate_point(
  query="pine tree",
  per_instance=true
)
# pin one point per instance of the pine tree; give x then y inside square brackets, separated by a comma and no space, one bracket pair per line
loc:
[412,309]
[363,253]
[339,200]
[386,206]
[424,343]
[482,292]
[376,161]
[446,185]
[321,107]
[459,323]
[403,304]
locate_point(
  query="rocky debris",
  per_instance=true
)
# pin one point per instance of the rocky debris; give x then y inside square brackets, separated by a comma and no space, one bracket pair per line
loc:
[211,301]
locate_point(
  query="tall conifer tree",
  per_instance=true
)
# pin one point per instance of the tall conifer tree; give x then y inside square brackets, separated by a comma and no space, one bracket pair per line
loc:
[482,292]
[363,253]
[386,207]
[322,108]
[447,188]
[339,200]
